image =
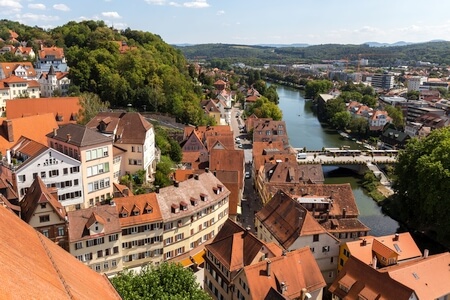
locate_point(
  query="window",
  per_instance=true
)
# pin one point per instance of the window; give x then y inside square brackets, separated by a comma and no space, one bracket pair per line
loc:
[44,218]
[65,171]
[43,174]
[21,178]
[315,238]
[326,249]
[113,237]
[45,232]
[35,175]
[99,253]
[60,231]
[43,205]
[78,245]
[105,265]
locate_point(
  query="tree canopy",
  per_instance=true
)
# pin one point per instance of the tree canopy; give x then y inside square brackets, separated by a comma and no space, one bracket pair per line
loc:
[422,183]
[166,281]
[263,108]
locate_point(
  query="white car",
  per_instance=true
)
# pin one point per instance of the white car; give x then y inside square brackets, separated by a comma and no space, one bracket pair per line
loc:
[247,175]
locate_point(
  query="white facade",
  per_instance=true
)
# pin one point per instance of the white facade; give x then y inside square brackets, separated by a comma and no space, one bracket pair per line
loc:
[56,170]
[50,83]
[415,82]
[149,152]
[17,90]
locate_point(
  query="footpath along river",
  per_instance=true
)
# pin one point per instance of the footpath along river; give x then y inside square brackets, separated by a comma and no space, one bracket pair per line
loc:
[305,130]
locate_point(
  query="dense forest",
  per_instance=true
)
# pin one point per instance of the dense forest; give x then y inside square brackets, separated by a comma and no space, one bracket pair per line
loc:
[434,52]
[148,75]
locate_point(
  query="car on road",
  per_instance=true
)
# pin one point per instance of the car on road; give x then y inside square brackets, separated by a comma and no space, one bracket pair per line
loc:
[240,146]
[247,175]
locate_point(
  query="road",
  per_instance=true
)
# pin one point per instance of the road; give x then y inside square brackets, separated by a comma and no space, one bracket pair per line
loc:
[250,203]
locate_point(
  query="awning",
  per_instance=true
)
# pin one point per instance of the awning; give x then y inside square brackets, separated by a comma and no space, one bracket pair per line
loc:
[199,257]
[186,262]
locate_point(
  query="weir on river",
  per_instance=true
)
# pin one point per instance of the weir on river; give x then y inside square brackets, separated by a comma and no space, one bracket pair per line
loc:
[305,130]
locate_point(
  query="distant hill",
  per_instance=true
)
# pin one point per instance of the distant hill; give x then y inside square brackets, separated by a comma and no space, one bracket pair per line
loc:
[379,54]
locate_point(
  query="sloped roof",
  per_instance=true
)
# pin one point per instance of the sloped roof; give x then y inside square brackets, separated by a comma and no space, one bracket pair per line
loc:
[282,172]
[236,247]
[80,136]
[296,269]
[228,160]
[131,125]
[38,193]
[9,67]
[428,277]
[364,251]
[187,190]
[80,220]
[43,269]
[34,127]
[231,180]
[57,52]
[142,202]
[341,194]
[367,282]
[286,219]
[203,131]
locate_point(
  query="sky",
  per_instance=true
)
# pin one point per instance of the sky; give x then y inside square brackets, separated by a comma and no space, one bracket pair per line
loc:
[250,22]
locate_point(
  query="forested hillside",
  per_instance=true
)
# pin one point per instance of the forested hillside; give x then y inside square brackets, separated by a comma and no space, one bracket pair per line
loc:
[435,52]
[147,73]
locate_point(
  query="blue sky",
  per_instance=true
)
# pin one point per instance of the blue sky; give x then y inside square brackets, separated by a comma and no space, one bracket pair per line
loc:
[250,22]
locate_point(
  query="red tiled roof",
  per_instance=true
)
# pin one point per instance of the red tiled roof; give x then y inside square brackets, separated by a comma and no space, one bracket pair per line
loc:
[43,269]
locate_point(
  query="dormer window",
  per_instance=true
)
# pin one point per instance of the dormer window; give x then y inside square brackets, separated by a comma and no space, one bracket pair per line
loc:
[175,208]
[220,187]
[148,209]
[216,191]
[123,213]
[183,205]
[204,197]
[194,202]
[135,211]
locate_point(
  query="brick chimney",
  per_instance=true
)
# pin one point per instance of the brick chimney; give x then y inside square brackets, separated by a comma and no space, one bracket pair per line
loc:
[9,130]
[268,267]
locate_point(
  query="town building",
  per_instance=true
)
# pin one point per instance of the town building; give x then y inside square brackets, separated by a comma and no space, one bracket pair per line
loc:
[389,250]
[23,70]
[37,268]
[54,83]
[94,151]
[29,160]
[95,238]
[25,52]
[236,265]
[415,82]
[133,134]
[12,129]
[266,130]
[51,56]
[286,222]
[41,210]
[382,81]
[15,87]
[293,275]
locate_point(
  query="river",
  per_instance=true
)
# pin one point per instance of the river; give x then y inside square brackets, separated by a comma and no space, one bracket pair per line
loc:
[305,130]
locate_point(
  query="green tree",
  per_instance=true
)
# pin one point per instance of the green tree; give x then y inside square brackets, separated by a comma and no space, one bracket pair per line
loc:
[334,106]
[412,95]
[165,281]
[341,119]
[272,94]
[359,126]
[396,114]
[370,101]
[91,105]
[175,151]
[263,108]
[422,183]
[315,87]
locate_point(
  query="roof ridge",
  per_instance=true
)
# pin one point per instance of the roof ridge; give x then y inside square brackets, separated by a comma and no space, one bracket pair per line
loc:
[66,286]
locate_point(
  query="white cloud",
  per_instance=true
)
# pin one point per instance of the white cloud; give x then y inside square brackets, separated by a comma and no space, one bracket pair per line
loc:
[220,12]
[61,7]
[36,17]
[39,6]
[10,6]
[156,2]
[192,4]
[111,14]
[196,4]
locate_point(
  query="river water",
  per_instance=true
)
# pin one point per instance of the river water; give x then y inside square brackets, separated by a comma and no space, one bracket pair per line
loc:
[305,130]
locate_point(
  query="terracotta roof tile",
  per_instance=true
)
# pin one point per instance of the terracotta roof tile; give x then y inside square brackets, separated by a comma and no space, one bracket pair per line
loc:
[143,203]
[43,269]
[67,108]
[80,220]
[296,269]
[9,68]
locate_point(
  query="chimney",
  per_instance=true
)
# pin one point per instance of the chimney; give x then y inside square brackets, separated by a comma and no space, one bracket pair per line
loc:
[268,268]
[374,262]
[283,253]
[396,237]
[196,176]
[55,132]
[303,293]
[9,130]
[68,137]
[344,212]
[425,253]
[176,183]
[157,189]
[207,170]
[364,242]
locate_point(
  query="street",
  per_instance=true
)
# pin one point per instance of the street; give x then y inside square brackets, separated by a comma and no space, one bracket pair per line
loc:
[250,203]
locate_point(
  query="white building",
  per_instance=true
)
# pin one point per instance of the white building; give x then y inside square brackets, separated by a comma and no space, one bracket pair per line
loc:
[17,87]
[54,81]
[30,159]
[414,82]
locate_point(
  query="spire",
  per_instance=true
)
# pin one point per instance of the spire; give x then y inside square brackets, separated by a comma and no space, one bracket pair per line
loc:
[51,71]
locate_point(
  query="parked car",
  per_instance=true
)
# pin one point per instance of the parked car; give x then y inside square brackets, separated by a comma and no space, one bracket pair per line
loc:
[247,175]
